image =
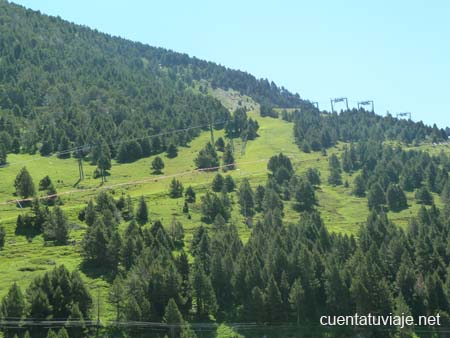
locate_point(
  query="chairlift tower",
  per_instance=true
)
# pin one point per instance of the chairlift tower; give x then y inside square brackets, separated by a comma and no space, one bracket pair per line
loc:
[404,114]
[336,100]
[366,103]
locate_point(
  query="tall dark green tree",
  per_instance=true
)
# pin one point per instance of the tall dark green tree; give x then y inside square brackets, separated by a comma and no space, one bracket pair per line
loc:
[24,184]
[396,198]
[218,183]
[175,189]
[376,197]
[359,186]
[246,198]
[56,227]
[207,158]
[142,211]
[172,151]
[335,177]
[228,158]
[13,304]
[157,165]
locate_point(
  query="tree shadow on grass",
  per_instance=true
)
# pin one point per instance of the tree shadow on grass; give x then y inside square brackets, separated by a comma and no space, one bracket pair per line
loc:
[27,230]
[94,270]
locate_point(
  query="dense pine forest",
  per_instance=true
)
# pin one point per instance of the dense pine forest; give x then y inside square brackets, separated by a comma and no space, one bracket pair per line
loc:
[146,193]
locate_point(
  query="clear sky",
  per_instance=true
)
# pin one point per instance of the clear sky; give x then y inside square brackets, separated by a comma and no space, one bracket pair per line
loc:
[395,52]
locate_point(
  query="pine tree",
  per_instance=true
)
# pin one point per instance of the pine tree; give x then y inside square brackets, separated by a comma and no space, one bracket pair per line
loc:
[258,305]
[176,188]
[359,186]
[95,243]
[259,197]
[47,147]
[229,184]
[90,214]
[186,208]
[220,144]
[218,183]
[157,165]
[2,236]
[63,148]
[190,195]
[63,333]
[296,298]
[142,211]
[313,176]
[24,184]
[228,158]
[282,164]
[76,317]
[45,183]
[424,196]
[3,154]
[172,316]
[39,305]
[13,304]
[207,158]
[52,334]
[172,151]
[246,198]
[56,227]
[204,293]
[305,196]
[104,160]
[335,177]
[176,231]
[396,198]
[376,198]
[273,301]
[117,296]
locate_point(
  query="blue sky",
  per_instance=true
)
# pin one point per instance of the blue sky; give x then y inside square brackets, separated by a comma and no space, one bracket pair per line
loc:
[396,53]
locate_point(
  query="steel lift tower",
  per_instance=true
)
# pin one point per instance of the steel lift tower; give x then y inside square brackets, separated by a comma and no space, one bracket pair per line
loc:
[366,103]
[340,99]
[404,114]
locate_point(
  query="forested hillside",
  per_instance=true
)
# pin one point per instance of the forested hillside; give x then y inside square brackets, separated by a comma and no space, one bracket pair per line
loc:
[64,85]
[146,193]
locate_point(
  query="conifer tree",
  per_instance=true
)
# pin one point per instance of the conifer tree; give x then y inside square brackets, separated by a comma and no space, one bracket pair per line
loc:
[305,196]
[424,196]
[274,303]
[396,198]
[218,183]
[296,298]
[142,211]
[229,184]
[190,195]
[172,151]
[176,188]
[359,186]
[376,197]
[13,304]
[335,177]
[220,144]
[172,316]
[24,184]
[246,198]
[228,158]
[56,227]
[207,158]
[117,296]
[2,236]
[157,165]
